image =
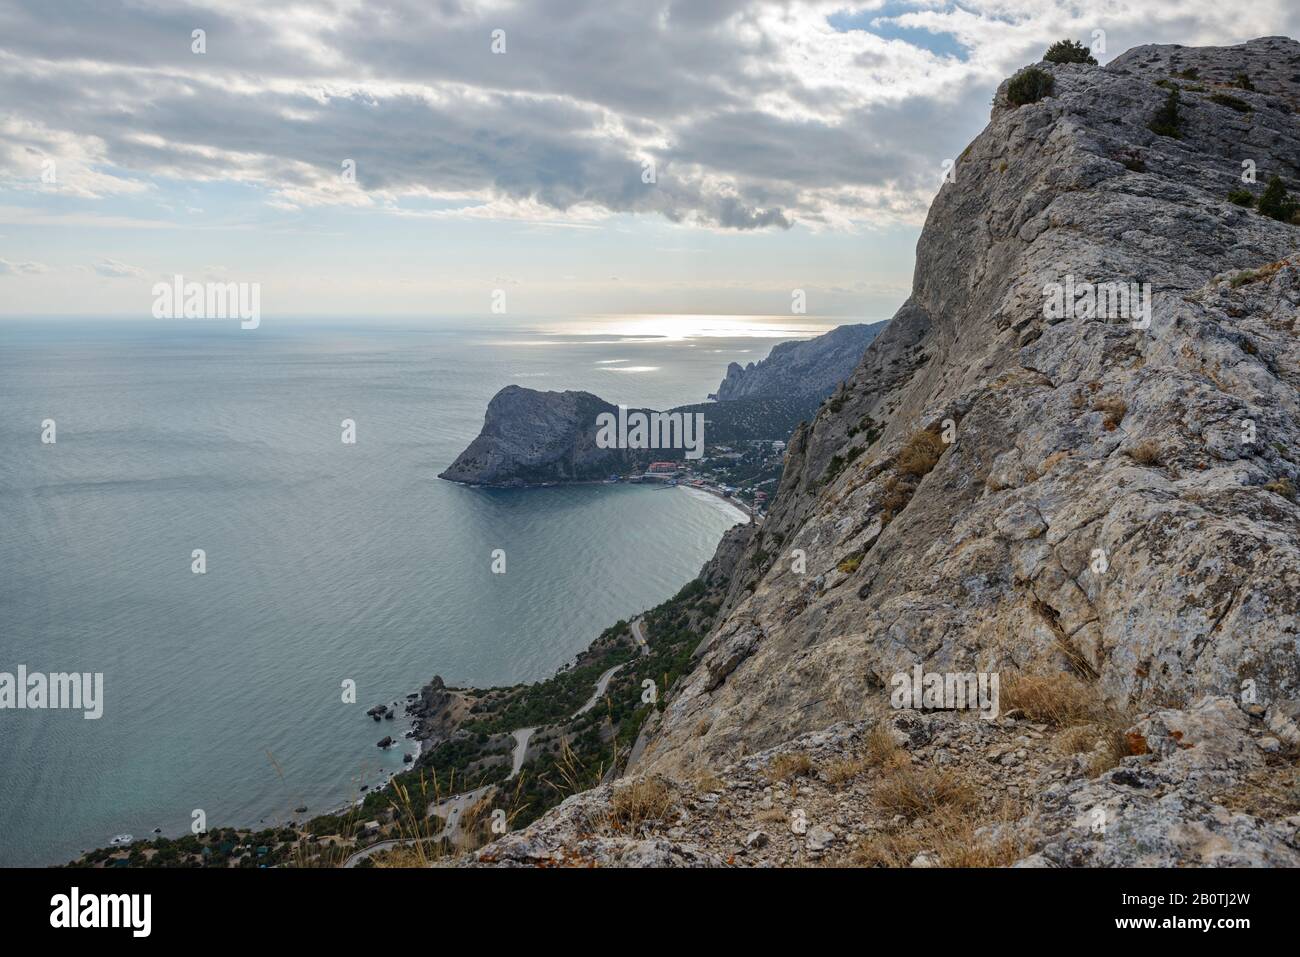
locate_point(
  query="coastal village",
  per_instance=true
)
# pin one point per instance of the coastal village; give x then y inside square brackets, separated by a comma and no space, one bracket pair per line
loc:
[745,474]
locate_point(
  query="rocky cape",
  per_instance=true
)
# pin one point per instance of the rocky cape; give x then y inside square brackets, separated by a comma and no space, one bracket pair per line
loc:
[1104,513]
[530,437]
[810,367]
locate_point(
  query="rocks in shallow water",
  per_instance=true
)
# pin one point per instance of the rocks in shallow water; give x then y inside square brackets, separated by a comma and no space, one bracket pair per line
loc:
[386,741]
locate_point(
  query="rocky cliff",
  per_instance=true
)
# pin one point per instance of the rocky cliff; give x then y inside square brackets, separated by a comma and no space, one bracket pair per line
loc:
[1096,503]
[811,367]
[529,437]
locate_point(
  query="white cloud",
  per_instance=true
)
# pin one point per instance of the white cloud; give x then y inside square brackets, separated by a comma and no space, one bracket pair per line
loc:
[113,269]
[10,268]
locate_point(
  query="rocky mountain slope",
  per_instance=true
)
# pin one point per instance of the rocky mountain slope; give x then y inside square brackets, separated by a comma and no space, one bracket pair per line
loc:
[529,437]
[810,367]
[1099,508]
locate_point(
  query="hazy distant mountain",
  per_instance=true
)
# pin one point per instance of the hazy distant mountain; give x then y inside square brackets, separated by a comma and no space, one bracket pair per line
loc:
[811,367]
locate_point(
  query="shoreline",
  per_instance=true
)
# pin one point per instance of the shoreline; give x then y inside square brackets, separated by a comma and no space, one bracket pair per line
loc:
[745,515]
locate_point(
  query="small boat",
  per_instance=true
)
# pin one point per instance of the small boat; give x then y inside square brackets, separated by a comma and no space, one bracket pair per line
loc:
[121,839]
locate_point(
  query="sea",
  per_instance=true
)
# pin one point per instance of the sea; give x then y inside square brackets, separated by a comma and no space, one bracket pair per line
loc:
[325,565]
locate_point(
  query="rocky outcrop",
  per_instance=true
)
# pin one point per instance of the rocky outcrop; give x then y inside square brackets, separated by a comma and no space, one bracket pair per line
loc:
[1003,486]
[530,437]
[810,367]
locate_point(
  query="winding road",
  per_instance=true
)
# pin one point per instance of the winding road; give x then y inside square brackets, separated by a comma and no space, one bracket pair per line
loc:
[453,808]
[521,749]
[640,637]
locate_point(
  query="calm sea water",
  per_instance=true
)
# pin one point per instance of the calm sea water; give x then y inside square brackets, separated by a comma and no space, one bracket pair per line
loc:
[325,562]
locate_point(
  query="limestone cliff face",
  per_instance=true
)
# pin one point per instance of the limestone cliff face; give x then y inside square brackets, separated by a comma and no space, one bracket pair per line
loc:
[1115,501]
[812,367]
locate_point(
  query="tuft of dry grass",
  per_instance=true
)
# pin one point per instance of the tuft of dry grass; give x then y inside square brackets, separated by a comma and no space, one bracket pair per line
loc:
[1087,724]
[917,792]
[1058,699]
[842,772]
[1282,486]
[1079,739]
[1146,452]
[787,767]
[1115,409]
[643,799]
[949,836]
[921,454]
[878,751]
[849,565]
[1052,461]
[706,781]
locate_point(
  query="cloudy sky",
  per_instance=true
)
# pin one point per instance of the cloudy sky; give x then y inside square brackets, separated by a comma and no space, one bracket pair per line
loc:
[625,156]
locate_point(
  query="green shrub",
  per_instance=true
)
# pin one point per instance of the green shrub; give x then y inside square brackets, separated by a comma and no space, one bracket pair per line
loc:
[1242,82]
[1191,73]
[1277,203]
[1241,197]
[1231,102]
[1167,121]
[1029,86]
[1068,51]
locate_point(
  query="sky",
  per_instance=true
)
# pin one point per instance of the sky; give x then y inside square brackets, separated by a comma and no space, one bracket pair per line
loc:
[415,157]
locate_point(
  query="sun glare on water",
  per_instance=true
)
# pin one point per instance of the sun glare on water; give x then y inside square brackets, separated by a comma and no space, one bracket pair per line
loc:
[679,327]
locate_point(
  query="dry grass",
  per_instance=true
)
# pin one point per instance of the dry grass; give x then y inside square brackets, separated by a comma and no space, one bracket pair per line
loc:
[1146,452]
[1079,739]
[850,564]
[949,836]
[920,455]
[787,767]
[1282,486]
[1115,409]
[1058,699]
[897,495]
[644,799]
[1087,724]
[706,781]
[842,772]
[1052,461]
[1270,793]
[917,792]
